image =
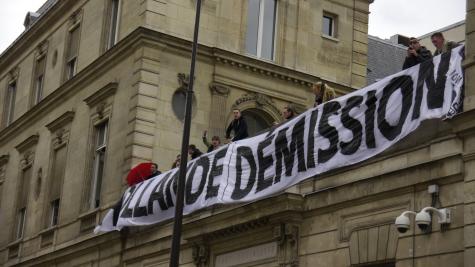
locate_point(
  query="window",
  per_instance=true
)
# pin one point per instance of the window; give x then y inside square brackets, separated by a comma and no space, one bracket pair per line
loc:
[39,80]
[261,21]
[20,223]
[54,207]
[10,103]
[329,25]
[55,183]
[100,145]
[72,52]
[113,23]
[22,201]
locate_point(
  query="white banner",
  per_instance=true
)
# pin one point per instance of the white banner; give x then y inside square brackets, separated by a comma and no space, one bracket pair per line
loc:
[341,132]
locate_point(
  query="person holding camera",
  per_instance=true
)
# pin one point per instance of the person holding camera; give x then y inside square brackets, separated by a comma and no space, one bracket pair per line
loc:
[415,54]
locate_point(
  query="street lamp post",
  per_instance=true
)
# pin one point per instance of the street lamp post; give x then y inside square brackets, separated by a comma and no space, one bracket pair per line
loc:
[176,237]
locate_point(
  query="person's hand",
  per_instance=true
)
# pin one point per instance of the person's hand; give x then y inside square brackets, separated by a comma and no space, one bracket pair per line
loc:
[412,52]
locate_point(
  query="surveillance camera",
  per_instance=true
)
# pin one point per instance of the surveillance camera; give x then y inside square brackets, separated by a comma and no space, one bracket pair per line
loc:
[423,218]
[402,222]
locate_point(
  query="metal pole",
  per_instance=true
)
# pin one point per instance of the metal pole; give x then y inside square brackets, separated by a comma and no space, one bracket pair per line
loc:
[176,238]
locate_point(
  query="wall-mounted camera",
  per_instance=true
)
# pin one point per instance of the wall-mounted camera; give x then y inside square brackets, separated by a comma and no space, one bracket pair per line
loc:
[423,219]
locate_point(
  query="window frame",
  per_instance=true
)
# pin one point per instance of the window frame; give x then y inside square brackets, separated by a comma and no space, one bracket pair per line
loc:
[260,32]
[38,79]
[333,19]
[99,156]
[10,98]
[70,56]
[113,23]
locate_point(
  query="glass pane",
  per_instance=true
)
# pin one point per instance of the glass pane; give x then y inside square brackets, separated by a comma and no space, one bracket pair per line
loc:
[99,172]
[54,212]
[113,22]
[268,29]
[39,89]
[73,43]
[11,103]
[101,135]
[252,26]
[327,26]
[21,222]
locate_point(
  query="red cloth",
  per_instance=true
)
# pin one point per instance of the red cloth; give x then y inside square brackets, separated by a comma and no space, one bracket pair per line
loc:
[139,173]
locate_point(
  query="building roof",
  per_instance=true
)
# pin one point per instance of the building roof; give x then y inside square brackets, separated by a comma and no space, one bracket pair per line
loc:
[34,17]
[384,58]
[446,28]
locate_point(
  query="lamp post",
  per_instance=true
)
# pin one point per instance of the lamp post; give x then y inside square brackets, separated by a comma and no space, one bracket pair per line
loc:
[177,225]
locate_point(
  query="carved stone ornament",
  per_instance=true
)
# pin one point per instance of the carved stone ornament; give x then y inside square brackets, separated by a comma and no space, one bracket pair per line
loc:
[183,80]
[287,237]
[219,89]
[100,108]
[200,255]
[260,99]
[27,159]
[13,73]
[42,48]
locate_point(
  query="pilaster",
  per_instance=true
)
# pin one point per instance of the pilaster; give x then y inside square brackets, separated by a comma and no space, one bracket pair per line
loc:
[217,118]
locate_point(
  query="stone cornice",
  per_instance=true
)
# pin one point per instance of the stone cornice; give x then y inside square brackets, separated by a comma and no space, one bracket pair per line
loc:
[147,37]
[27,143]
[102,94]
[243,216]
[61,121]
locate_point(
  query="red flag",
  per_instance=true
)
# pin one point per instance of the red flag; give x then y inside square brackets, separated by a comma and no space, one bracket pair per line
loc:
[139,173]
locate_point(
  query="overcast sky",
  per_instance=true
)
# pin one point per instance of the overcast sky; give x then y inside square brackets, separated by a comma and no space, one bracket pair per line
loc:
[388,17]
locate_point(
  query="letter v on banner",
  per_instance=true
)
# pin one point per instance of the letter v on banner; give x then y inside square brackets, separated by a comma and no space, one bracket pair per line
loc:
[344,131]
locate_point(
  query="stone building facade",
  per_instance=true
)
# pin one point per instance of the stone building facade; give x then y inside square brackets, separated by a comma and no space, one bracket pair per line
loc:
[95,86]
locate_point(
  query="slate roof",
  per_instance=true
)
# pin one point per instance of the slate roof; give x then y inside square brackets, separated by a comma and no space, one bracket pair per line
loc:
[384,58]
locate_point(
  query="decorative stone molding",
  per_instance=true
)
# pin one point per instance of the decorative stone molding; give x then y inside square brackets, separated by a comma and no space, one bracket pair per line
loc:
[373,245]
[200,255]
[27,143]
[238,229]
[75,18]
[265,72]
[219,89]
[61,121]
[14,73]
[4,159]
[27,159]
[41,48]
[101,94]
[259,101]
[287,237]
[378,215]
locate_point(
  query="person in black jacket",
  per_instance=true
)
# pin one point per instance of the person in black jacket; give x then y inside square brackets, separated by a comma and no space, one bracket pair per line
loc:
[215,142]
[415,54]
[238,126]
[194,152]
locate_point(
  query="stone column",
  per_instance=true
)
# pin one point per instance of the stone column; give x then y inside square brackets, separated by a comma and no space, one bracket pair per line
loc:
[467,123]
[217,118]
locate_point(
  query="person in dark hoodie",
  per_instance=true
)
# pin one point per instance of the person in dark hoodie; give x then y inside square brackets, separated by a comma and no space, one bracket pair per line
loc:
[238,126]
[415,54]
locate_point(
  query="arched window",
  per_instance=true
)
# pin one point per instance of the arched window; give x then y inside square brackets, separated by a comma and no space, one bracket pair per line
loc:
[257,120]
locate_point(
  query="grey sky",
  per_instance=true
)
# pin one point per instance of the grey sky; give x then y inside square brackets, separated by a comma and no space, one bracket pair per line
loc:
[388,17]
[413,17]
